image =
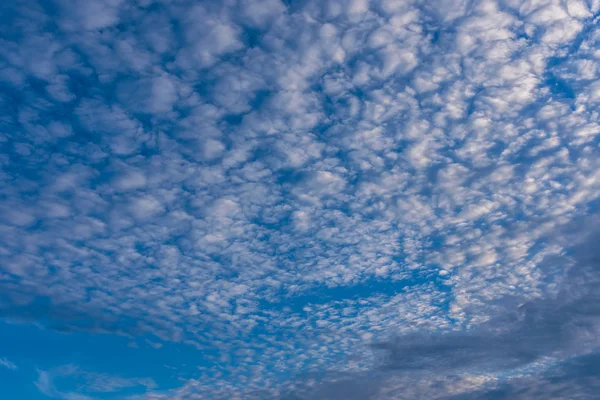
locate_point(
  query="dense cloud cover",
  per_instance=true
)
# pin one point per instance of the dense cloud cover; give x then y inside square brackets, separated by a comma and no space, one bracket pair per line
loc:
[544,349]
[335,199]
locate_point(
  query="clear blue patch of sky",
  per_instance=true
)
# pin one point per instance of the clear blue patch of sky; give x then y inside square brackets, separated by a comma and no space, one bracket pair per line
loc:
[31,348]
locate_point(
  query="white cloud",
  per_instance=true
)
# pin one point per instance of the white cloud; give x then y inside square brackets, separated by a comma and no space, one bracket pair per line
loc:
[93,384]
[4,362]
[90,15]
[152,95]
[259,13]
[208,37]
[226,161]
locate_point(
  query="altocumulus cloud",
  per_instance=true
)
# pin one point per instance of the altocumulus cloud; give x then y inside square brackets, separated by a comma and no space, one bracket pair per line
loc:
[542,349]
[322,199]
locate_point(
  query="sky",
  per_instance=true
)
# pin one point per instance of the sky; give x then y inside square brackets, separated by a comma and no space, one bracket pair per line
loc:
[299,199]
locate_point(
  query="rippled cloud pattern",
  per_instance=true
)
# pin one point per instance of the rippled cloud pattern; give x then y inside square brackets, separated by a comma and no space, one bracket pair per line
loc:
[299,199]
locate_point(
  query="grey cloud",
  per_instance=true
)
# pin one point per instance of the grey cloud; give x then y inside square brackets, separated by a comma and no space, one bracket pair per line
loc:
[557,335]
[574,379]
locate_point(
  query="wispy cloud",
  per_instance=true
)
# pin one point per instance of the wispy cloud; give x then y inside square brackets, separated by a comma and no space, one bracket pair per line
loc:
[89,385]
[6,363]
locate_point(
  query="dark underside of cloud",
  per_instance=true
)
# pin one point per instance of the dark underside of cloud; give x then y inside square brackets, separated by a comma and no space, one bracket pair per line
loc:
[577,378]
[543,349]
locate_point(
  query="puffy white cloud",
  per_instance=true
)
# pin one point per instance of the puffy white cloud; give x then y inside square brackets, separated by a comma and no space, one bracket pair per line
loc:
[259,13]
[90,15]
[151,95]
[292,179]
[208,36]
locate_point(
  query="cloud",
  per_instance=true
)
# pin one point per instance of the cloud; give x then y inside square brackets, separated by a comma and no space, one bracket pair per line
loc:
[574,379]
[4,362]
[90,16]
[279,184]
[545,348]
[93,384]
[208,37]
[153,95]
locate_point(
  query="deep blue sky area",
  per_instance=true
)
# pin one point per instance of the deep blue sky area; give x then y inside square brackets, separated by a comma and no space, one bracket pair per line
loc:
[315,199]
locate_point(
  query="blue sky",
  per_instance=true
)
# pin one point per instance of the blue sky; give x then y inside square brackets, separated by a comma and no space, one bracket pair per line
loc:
[272,199]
